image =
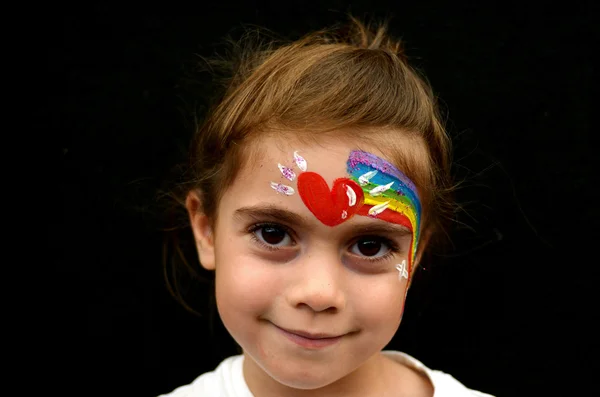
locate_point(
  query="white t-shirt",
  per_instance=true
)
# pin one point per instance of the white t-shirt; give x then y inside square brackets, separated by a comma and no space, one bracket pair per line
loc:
[227,380]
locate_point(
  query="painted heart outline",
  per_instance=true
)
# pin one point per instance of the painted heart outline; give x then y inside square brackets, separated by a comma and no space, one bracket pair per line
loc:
[330,206]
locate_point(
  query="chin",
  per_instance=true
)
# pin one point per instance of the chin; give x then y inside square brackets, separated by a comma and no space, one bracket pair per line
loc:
[296,375]
[306,379]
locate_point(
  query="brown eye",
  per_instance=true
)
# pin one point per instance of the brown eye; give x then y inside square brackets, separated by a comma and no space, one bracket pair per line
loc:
[370,247]
[274,236]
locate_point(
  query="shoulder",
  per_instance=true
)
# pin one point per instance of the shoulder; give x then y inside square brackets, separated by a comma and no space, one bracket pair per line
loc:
[226,380]
[444,385]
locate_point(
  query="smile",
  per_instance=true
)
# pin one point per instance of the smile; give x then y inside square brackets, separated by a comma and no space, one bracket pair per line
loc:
[310,340]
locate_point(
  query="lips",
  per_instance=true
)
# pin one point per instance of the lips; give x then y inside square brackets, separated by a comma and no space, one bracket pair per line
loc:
[309,335]
[310,340]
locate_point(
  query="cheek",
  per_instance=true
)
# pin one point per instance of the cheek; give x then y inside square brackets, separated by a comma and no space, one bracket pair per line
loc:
[380,303]
[244,285]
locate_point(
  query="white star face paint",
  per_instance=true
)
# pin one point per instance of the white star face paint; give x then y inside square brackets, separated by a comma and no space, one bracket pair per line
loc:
[283,189]
[402,270]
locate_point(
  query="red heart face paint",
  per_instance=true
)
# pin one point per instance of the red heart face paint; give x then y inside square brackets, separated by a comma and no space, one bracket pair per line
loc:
[334,206]
[375,188]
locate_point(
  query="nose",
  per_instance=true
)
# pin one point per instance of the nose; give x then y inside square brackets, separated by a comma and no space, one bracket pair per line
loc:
[318,284]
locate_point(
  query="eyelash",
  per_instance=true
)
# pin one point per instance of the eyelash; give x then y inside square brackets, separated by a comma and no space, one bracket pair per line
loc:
[393,247]
[252,229]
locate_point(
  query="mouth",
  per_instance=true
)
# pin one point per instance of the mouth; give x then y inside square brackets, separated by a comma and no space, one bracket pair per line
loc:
[310,340]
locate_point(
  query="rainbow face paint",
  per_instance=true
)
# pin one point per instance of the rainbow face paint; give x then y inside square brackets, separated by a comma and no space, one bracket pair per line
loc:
[375,188]
[389,195]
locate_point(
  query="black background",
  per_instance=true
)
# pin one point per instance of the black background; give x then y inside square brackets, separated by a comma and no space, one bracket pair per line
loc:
[511,310]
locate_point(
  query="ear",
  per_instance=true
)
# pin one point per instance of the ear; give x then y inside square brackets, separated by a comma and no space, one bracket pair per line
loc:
[203,233]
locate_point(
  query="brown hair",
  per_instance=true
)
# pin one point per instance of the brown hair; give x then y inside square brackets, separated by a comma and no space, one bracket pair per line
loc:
[353,81]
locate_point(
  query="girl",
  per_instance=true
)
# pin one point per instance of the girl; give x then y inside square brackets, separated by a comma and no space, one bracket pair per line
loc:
[318,182]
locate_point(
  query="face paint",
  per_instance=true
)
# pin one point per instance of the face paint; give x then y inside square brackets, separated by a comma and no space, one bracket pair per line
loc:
[283,189]
[389,195]
[378,209]
[351,196]
[402,270]
[375,188]
[366,177]
[287,172]
[300,162]
[376,191]
[334,206]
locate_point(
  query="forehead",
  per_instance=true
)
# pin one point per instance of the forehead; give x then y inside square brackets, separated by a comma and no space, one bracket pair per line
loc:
[327,156]
[316,181]
[252,185]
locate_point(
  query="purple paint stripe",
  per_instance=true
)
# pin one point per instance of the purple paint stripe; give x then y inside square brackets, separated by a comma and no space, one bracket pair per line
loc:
[359,157]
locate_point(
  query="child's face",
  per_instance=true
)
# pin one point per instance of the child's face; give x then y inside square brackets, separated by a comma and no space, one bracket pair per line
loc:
[280,268]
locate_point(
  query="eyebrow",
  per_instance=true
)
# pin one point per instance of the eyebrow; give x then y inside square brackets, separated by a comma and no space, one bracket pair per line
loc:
[382,227]
[261,212]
